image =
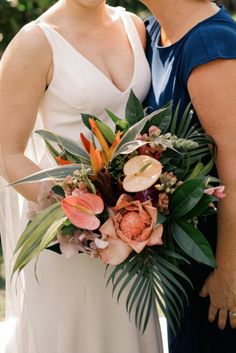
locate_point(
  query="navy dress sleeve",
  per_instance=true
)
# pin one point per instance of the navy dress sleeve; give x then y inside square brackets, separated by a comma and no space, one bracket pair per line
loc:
[207,44]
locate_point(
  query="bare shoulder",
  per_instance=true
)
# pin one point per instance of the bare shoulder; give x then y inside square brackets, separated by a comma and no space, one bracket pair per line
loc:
[29,44]
[140,27]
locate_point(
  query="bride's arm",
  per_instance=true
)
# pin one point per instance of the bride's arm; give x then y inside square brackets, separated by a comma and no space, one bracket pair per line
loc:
[24,70]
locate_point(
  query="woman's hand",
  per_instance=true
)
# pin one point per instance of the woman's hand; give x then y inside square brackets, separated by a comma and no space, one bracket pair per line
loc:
[221,287]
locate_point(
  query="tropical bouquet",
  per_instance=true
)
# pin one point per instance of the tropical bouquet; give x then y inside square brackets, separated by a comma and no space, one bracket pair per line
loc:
[132,198]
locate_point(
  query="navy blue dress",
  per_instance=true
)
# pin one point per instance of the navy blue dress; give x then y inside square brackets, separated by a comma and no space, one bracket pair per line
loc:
[211,39]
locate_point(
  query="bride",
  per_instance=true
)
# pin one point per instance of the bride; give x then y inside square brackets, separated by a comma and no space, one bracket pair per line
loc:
[80,56]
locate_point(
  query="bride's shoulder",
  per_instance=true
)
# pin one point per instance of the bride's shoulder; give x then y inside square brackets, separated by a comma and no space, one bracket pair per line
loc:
[30,40]
[28,49]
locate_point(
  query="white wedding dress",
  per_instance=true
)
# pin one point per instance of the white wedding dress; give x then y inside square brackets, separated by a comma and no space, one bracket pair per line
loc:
[70,310]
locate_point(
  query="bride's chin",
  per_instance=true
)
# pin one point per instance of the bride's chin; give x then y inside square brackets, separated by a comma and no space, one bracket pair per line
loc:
[90,4]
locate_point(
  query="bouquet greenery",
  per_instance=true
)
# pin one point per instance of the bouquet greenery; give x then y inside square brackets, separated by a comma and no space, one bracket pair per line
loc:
[131,198]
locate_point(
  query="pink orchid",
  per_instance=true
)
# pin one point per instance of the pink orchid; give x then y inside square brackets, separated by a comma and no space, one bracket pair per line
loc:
[81,210]
[217,191]
[132,227]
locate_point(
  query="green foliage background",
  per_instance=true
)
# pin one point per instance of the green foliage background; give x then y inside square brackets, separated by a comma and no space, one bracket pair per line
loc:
[15,13]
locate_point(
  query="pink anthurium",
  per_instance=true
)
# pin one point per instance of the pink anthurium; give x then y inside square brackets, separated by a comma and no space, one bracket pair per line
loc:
[81,210]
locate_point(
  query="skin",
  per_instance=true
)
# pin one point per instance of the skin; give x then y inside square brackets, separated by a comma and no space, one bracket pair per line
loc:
[208,85]
[90,26]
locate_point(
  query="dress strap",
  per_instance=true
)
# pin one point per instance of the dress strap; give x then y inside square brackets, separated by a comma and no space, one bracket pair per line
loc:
[131,29]
[48,32]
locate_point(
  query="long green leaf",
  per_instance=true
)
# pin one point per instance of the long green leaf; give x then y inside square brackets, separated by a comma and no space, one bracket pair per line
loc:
[106,131]
[29,247]
[167,252]
[140,301]
[68,144]
[86,117]
[129,277]
[134,290]
[51,233]
[147,298]
[201,206]
[185,121]
[132,146]
[173,126]
[134,109]
[38,221]
[168,286]
[169,296]
[167,273]
[150,305]
[186,196]
[168,308]
[171,267]
[130,267]
[56,173]
[132,133]
[193,242]
[162,118]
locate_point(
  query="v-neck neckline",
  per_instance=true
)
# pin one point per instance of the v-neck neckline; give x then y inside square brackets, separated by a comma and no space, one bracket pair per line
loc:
[93,65]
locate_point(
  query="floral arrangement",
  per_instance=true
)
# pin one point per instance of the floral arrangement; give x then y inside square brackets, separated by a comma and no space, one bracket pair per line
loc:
[131,198]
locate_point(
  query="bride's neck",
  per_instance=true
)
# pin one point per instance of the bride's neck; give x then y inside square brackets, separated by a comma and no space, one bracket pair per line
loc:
[94,15]
[177,17]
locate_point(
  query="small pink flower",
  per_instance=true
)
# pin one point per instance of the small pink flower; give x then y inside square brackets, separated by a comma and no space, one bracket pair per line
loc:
[70,245]
[132,227]
[217,191]
[154,130]
[82,189]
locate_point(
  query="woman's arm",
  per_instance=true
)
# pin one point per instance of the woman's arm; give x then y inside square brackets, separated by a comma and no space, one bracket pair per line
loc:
[24,74]
[212,88]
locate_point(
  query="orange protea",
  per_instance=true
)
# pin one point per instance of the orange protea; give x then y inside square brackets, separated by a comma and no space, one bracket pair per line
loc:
[131,227]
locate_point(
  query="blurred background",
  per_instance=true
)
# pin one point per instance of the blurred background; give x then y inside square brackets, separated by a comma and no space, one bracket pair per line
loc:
[16,13]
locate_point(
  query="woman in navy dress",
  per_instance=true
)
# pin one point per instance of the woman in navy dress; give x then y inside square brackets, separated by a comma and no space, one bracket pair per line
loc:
[192,54]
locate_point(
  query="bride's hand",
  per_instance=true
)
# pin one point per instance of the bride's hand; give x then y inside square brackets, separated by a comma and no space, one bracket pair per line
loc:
[221,288]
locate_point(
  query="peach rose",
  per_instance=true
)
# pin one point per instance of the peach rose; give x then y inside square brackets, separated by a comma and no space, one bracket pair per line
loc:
[132,226]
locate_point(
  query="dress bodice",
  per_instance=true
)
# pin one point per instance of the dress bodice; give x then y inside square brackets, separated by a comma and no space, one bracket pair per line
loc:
[78,86]
[71,310]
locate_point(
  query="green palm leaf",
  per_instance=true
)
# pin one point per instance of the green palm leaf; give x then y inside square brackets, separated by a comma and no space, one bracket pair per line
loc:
[148,278]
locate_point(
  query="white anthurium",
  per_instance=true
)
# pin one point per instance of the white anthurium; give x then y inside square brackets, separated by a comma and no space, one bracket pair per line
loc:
[141,172]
